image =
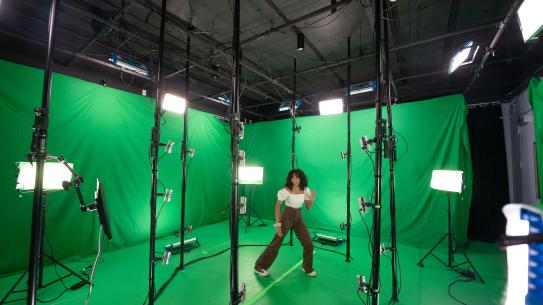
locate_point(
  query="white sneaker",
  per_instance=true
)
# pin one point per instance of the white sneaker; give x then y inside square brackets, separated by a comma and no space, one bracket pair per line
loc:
[262,272]
[311,274]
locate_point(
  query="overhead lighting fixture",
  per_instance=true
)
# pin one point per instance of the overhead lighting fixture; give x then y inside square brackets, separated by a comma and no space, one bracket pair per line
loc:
[331,106]
[530,20]
[362,88]
[300,41]
[464,56]
[128,64]
[224,98]
[173,103]
[284,106]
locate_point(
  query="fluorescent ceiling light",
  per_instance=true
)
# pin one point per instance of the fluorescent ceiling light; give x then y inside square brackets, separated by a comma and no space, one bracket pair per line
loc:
[362,88]
[128,64]
[447,180]
[530,18]
[251,175]
[173,103]
[224,98]
[53,175]
[331,106]
[461,57]
[284,106]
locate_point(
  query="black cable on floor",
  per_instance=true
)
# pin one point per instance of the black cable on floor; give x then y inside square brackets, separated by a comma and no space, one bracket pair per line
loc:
[55,298]
[453,283]
[16,300]
[330,250]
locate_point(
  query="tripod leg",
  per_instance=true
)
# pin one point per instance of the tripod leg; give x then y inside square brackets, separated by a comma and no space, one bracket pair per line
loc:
[55,261]
[473,267]
[431,250]
[257,216]
[13,288]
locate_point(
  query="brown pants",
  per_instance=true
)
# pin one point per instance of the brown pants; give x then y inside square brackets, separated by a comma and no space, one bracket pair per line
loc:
[291,218]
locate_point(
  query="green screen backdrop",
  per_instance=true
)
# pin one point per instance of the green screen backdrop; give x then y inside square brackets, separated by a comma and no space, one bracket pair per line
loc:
[106,134]
[535,93]
[432,134]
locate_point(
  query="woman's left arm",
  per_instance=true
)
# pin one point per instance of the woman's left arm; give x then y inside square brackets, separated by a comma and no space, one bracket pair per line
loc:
[310,200]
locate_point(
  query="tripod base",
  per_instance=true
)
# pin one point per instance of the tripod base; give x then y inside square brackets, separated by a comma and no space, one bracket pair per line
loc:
[450,264]
[247,219]
[71,272]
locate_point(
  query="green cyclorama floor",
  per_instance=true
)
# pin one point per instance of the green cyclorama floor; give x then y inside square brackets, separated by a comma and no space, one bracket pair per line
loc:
[122,276]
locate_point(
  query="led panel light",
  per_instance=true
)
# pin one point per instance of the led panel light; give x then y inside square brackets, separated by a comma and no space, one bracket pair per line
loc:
[331,106]
[174,103]
[447,180]
[461,57]
[530,19]
[251,175]
[53,175]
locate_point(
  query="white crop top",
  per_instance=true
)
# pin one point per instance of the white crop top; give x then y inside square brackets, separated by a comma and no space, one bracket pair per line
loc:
[293,200]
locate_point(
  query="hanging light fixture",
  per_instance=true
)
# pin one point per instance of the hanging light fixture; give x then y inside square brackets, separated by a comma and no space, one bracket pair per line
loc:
[300,41]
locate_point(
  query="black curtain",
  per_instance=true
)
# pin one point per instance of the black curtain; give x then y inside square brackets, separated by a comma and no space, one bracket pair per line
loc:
[490,184]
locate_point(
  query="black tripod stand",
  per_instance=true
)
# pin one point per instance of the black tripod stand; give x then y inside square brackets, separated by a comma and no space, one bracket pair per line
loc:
[247,218]
[43,255]
[450,252]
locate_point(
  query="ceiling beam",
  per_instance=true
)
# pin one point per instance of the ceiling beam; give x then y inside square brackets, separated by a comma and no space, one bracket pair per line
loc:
[201,35]
[369,55]
[193,61]
[307,41]
[297,20]
[490,50]
[99,34]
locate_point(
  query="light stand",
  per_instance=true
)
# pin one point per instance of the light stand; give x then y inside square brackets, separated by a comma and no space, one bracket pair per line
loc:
[56,181]
[235,295]
[450,252]
[374,289]
[38,152]
[250,176]
[295,129]
[42,256]
[390,152]
[348,153]
[184,152]
[247,216]
[155,143]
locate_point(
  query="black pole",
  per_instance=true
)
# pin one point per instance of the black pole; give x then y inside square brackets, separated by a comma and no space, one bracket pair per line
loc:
[184,156]
[38,152]
[376,255]
[234,144]
[155,141]
[43,237]
[294,129]
[348,253]
[391,148]
[449,235]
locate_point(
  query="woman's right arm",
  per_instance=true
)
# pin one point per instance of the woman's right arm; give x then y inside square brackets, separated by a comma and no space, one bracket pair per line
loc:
[278,218]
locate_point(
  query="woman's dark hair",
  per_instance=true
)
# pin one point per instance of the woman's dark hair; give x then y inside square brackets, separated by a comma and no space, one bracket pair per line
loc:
[300,174]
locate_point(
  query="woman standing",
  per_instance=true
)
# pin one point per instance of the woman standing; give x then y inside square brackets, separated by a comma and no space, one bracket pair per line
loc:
[294,194]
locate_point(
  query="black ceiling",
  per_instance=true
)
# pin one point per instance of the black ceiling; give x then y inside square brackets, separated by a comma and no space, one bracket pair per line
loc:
[423,36]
